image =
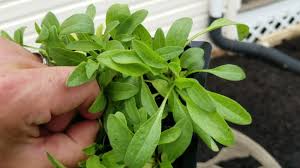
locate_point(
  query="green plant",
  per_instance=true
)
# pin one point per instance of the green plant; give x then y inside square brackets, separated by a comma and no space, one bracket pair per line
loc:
[134,70]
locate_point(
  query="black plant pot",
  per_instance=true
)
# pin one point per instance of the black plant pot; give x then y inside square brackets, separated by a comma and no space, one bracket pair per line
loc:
[189,158]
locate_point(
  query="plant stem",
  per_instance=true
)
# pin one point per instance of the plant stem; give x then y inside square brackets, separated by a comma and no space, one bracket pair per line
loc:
[194,71]
[196,35]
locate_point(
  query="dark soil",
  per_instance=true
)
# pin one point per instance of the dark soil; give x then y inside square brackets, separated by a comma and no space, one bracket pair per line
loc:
[272,96]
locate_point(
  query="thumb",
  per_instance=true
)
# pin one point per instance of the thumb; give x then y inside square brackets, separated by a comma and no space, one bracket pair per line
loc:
[68,147]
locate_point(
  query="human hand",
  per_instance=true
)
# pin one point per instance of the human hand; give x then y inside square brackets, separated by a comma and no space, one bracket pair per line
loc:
[36,109]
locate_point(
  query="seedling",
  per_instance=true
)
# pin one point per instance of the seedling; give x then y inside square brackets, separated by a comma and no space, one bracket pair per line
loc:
[143,80]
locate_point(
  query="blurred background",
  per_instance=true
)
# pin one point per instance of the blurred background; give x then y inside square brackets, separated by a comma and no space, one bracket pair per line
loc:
[271,92]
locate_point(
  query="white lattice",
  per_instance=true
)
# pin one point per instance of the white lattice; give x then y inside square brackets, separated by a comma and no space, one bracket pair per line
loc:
[271,18]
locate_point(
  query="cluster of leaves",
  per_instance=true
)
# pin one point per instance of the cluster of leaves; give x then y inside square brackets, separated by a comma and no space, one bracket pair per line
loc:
[143,80]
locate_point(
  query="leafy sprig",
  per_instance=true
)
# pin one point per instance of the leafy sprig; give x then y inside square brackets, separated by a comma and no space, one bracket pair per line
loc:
[143,80]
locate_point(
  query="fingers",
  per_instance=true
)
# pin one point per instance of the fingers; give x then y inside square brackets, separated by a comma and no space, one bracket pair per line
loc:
[47,88]
[60,123]
[67,148]
[12,53]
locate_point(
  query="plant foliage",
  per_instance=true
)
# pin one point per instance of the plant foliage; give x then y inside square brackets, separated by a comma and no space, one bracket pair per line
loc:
[144,80]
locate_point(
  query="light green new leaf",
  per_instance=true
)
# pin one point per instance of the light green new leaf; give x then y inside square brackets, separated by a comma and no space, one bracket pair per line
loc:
[91,11]
[227,71]
[78,76]
[242,29]
[179,32]
[174,66]
[206,138]
[99,103]
[149,56]
[145,140]
[211,122]
[18,35]
[128,69]
[230,110]
[147,100]
[37,28]
[5,35]
[142,34]
[159,39]
[94,162]
[64,57]
[106,77]
[78,23]
[110,160]
[129,25]
[132,112]
[114,45]
[43,35]
[192,59]
[117,12]
[50,20]
[119,140]
[169,52]
[84,45]
[121,90]
[162,86]
[91,67]
[54,162]
[169,135]
[90,150]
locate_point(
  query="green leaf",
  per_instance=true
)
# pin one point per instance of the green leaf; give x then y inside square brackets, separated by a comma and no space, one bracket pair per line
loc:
[227,71]
[90,150]
[206,138]
[37,28]
[142,34]
[117,12]
[121,90]
[114,45]
[5,35]
[78,23]
[174,66]
[53,40]
[50,20]
[192,59]
[78,76]
[119,140]
[94,162]
[147,100]
[64,57]
[196,93]
[130,58]
[106,77]
[132,112]
[179,32]
[149,56]
[54,162]
[169,52]
[129,25]
[91,67]
[159,40]
[165,164]
[91,11]
[162,86]
[169,135]
[128,69]
[99,103]
[211,122]
[175,149]
[43,35]
[18,35]
[230,110]
[83,45]
[242,29]
[109,28]
[145,140]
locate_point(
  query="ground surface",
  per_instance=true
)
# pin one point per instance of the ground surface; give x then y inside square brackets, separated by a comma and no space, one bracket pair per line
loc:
[272,96]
